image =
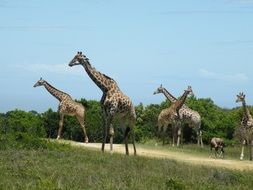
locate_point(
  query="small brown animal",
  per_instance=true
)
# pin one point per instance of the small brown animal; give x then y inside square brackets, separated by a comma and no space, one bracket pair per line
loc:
[217,143]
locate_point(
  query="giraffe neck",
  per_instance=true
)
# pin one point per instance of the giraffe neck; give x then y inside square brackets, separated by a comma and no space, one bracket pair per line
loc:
[246,112]
[179,103]
[169,96]
[104,82]
[55,92]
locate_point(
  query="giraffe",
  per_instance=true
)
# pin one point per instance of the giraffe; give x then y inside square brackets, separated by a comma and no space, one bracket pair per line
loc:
[246,126]
[189,116]
[171,115]
[114,103]
[67,106]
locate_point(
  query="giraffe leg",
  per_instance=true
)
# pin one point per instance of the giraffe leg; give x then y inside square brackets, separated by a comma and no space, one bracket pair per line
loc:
[250,150]
[104,123]
[131,128]
[127,130]
[173,135]
[160,132]
[178,135]
[133,139]
[111,133]
[163,134]
[81,121]
[200,138]
[60,126]
[163,138]
[126,139]
[182,135]
[242,151]
[104,115]
[199,134]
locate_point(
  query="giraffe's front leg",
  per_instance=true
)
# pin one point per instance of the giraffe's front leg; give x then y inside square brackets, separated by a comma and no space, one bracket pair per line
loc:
[131,126]
[164,128]
[250,149]
[173,136]
[111,133]
[111,113]
[200,137]
[60,126]
[242,151]
[81,121]
[105,124]
[126,139]
[178,135]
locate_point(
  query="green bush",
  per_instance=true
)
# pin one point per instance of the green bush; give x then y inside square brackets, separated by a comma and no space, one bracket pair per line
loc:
[25,122]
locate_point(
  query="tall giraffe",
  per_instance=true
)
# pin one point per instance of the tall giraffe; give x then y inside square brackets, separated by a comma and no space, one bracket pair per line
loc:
[246,126]
[171,115]
[67,106]
[189,116]
[114,103]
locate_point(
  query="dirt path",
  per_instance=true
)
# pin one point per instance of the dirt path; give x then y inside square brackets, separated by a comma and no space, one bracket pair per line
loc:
[179,156]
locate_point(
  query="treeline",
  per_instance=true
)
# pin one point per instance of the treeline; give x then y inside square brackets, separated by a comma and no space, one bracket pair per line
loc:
[18,124]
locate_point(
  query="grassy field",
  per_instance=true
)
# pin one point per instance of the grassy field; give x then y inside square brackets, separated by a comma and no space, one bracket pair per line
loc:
[72,168]
[231,152]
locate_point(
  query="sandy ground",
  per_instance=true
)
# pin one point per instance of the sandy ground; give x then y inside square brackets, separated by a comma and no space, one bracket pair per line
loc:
[173,155]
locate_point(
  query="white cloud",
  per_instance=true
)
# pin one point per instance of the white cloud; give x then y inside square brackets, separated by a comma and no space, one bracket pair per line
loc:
[237,77]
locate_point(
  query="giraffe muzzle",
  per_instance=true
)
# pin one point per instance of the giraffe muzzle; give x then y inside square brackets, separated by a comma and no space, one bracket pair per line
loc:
[35,85]
[71,64]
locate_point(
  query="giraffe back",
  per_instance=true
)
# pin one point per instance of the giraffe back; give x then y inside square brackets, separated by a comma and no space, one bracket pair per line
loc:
[189,115]
[70,107]
[118,103]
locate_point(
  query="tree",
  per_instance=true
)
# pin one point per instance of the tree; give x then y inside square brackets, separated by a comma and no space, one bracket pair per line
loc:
[25,122]
[50,120]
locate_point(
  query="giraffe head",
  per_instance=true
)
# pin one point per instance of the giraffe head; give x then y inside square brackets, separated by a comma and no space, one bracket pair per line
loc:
[39,82]
[78,59]
[189,90]
[240,97]
[159,90]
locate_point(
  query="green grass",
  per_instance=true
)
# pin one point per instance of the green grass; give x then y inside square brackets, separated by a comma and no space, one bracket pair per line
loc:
[73,168]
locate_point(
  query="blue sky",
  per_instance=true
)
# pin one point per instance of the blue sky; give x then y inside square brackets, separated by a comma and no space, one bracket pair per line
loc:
[207,44]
